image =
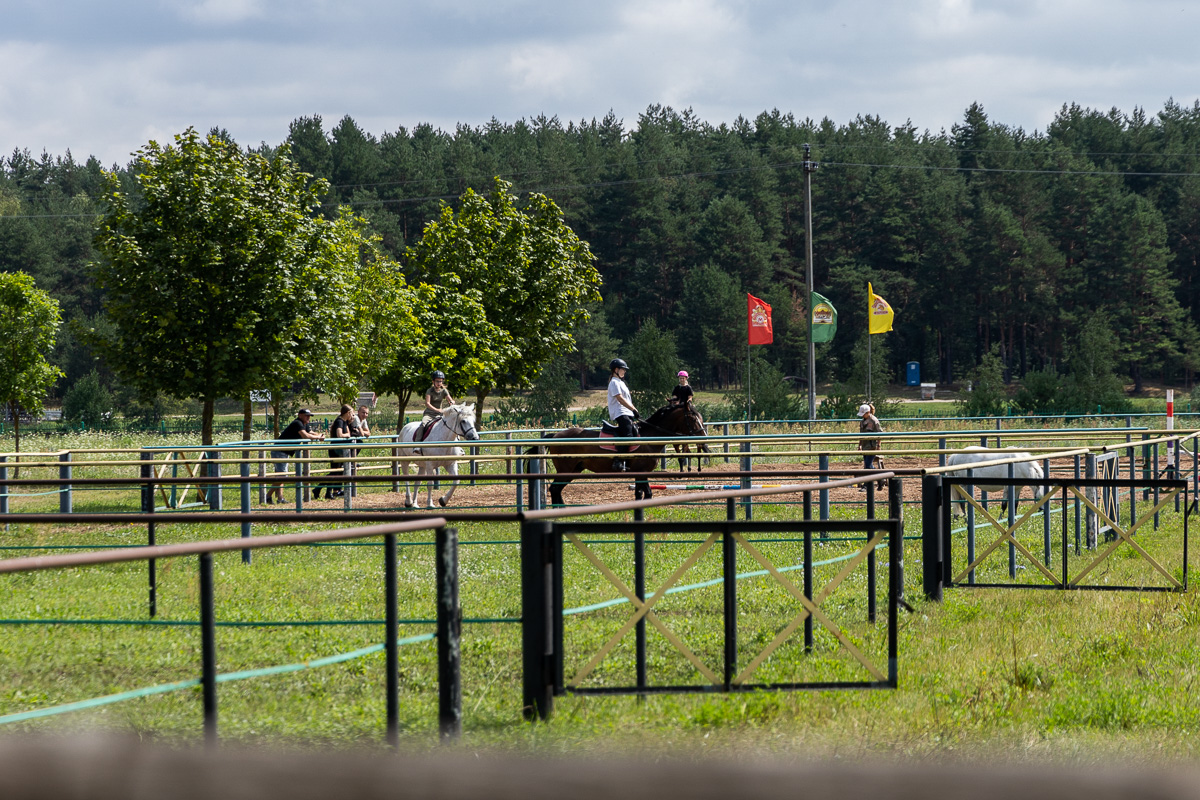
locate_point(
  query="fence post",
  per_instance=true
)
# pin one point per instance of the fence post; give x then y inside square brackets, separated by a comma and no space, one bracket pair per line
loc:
[1011,496]
[262,476]
[749,501]
[871,566]
[932,513]
[4,488]
[208,649]
[391,638]
[896,512]
[808,573]
[942,452]
[395,465]
[1093,522]
[449,635]
[537,628]
[729,590]
[244,493]
[347,487]
[1047,509]
[519,467]
[147,474]
[726,444]
[823,494]
[64,489]
[214,489]
[537,492]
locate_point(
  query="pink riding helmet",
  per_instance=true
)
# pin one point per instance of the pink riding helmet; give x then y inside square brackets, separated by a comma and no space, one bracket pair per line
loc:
[682,373]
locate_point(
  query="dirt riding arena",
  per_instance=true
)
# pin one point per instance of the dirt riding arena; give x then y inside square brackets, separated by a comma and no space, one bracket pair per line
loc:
[611,489]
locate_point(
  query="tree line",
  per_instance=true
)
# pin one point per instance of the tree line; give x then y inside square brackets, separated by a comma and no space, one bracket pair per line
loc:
[995,246]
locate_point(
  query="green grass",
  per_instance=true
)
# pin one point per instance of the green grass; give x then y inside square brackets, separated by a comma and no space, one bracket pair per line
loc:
[1015,673]
[1007,673]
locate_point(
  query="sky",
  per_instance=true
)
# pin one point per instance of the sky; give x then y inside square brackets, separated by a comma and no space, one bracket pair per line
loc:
[104,78]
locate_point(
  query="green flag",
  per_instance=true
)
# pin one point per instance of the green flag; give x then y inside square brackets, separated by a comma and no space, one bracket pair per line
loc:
[824,319]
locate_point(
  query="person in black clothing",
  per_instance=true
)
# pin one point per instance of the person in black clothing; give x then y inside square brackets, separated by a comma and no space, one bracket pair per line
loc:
[682,394]
[296,431]
[340,429]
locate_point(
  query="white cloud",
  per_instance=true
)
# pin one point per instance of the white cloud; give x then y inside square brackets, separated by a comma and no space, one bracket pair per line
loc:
[223,11]
[104,83]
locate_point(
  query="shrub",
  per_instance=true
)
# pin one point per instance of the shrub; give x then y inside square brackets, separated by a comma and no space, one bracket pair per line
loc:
[87,401]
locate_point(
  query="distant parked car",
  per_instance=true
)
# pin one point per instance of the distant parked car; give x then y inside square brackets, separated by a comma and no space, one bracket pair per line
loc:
[797,383]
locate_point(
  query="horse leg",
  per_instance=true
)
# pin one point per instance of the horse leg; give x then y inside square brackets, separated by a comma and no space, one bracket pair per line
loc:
[429,470]
[408,498]
[641,489]
[452,472]
[556,490]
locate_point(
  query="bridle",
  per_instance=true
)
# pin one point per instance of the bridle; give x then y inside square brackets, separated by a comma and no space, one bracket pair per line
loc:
[462,428]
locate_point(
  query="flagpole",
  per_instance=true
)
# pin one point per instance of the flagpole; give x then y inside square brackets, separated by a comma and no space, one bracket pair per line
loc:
[868,361]
[809,168]
[747,374]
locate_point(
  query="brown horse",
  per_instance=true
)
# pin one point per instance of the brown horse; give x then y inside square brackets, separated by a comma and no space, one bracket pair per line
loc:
[685,461]
[572,459]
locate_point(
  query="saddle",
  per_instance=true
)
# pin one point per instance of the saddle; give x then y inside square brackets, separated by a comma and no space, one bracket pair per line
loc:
[422,432]
[609,431]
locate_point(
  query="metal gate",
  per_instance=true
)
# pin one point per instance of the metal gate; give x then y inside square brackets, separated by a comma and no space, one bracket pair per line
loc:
[546,646]
[951,563]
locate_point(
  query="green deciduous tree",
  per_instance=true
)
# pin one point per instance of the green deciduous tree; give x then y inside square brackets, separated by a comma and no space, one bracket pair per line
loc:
[29,320]
[219,278]
[532,274]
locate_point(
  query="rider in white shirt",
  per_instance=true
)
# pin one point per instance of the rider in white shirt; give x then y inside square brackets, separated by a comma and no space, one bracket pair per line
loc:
[620,408]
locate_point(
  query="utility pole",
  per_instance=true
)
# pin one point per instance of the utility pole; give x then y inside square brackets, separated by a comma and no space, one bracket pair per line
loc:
[809,168]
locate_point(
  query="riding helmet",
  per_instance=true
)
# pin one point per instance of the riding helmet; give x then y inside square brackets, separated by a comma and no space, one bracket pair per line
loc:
[439,374]
[682,373]
[617,363]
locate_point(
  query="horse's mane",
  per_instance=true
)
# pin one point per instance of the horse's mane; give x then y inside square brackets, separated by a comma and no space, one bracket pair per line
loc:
[661,414]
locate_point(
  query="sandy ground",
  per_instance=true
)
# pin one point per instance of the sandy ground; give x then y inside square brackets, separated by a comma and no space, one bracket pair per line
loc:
[594,491]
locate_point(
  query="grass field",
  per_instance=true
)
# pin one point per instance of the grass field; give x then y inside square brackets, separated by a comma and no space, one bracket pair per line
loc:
[1088,676]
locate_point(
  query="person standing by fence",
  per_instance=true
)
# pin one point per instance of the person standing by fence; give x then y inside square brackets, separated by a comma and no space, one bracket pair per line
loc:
[340,430]
[869,423]
[298,430]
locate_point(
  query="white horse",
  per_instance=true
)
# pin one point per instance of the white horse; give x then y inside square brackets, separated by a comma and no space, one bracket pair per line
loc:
[1022,471]
[457,421]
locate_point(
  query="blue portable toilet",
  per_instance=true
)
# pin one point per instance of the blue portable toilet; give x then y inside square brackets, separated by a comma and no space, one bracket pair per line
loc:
[914,373]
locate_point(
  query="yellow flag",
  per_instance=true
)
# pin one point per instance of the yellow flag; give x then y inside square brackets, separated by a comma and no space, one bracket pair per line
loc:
[879,313]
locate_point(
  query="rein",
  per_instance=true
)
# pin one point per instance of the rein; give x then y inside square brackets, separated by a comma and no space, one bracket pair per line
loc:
[667,431]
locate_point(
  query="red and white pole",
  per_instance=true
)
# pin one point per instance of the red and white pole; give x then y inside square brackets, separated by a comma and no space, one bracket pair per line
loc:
[1171,427]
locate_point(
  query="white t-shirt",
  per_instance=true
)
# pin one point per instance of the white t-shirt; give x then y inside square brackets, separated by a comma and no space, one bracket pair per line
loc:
[617,388]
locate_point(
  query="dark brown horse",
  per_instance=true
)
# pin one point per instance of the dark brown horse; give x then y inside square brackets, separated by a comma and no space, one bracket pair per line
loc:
[685,461]
[572,459]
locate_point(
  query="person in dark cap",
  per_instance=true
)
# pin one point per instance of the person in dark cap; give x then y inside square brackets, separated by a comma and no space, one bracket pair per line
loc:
[437,397]
[297,431]
[620,408]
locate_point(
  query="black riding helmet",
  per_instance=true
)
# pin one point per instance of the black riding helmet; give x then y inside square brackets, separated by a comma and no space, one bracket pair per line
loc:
[439,374]
[617,363]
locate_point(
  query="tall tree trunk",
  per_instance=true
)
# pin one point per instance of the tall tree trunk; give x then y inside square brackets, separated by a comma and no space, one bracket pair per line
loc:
[480,395]
[206,425]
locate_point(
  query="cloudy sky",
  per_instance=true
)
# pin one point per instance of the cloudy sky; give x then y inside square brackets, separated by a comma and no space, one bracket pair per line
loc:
[102,78]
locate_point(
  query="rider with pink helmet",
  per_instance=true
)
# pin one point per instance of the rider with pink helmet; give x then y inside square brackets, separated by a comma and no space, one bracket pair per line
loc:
[682,394]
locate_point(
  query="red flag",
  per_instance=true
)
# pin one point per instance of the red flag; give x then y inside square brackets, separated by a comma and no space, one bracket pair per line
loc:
[759,314]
